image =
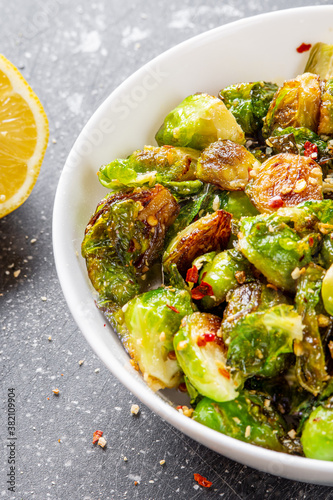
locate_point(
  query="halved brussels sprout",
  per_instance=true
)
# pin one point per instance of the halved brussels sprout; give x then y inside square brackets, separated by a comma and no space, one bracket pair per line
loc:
[249,103]
[310,358]
[258,344]
[211,232]
[250,418]
[223,273]
[201,354]
[317,436]
[197,121]
[147,326]
[150,166]
[285,180]
[320,61]
[274,248]
[295,104]
[124,237]
[226,164]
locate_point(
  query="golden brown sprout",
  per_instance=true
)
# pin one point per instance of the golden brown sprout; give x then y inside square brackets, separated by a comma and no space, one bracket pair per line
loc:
[207,234]
[226,164]
[285,180]
[295,104]
[325,126]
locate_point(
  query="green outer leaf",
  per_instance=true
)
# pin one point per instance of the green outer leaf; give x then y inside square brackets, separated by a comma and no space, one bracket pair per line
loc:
[317,436]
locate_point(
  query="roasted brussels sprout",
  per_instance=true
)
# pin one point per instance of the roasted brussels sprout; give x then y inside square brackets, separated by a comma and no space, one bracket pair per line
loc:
[209,233]
[249,103]
[150,166]
[258,343]
[201,354]
[317,435]
[197,121]
[274,248]
[246,299]
[223,273]
[295,104]
[320,60]
[310,357]
[310,216]
[226,164]
[237,203]
[285,180]
[147,326]
[124,237]
[250,418]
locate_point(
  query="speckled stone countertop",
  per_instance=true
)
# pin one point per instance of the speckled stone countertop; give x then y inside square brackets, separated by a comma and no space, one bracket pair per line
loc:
[74,54]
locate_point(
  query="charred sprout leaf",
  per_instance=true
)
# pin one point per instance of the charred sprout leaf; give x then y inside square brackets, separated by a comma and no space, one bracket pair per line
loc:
[320,61]
[149,322]
[150,166]
[310,216]
[226,164]
[274,248]
[225,272]
[310,360]
[124,237]
[249,103]
[197,121]
[258,343]
[248,418]
[325,126]
[183,189]
[202,357]
[209,233]
[317,436]
[285,180]
[246,299]
[295,104]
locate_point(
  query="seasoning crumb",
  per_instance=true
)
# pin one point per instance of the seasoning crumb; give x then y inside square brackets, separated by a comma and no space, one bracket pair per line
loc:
[330,346]
[135,483]
[97,370]
[16,273]
[292,433]
[300,186]
[59,440]
[182,345]
[162,462]
[323,320]
[54,141]
[236,419]
[33,240]
[102,442]
[185,410]
[248,431]
[96,436]
[81,362]
[125,459]
[43,298]
[296,273]
[49,338]
[56,391]
[135,409]
[151,481]
[134,364]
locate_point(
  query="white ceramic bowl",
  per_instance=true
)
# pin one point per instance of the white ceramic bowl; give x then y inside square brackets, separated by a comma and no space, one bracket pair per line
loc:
[257,48]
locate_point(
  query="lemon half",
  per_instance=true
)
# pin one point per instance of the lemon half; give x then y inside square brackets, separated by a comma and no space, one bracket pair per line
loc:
[24,134]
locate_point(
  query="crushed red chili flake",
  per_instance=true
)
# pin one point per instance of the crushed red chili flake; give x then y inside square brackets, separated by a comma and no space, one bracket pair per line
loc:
[276,202]
[311,241]
[96,436]
[192,275]
[182,387]
[224,373]
[204,338]
[310,150]
[202,481]
[202,290]
[173,308]
[304,47]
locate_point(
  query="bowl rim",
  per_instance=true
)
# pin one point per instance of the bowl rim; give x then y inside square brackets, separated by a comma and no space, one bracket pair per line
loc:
[225,445]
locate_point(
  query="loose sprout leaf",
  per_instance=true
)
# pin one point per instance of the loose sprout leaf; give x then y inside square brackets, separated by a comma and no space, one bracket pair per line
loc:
[226,164]
[274,248]
[246,418]
[150,321]
[150,166]
[285,180]
[209,233]
[237,203]
[310,360]
[197,121]
[202,357]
